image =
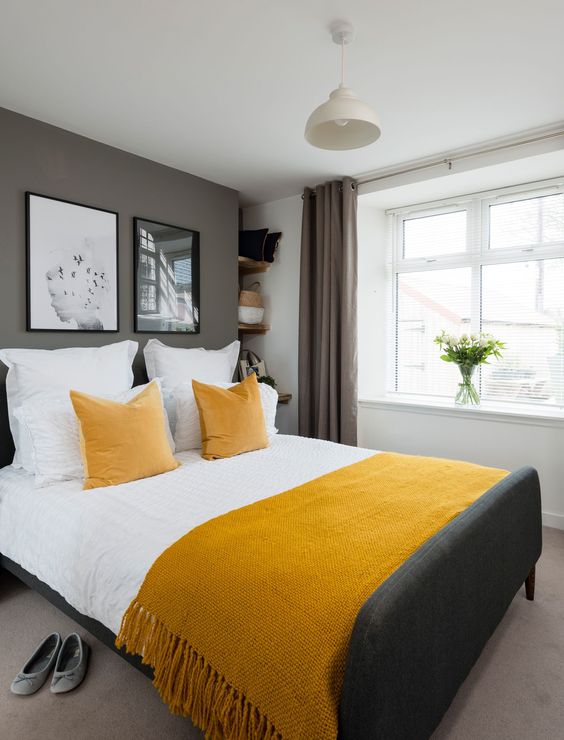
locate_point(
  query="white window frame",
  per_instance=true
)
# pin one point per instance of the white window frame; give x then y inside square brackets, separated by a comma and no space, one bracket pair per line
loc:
[477,255]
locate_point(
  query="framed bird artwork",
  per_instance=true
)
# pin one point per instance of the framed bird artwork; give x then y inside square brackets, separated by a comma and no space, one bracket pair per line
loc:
[72,267]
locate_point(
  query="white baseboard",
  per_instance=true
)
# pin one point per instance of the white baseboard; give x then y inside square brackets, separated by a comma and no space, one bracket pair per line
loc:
[553,520]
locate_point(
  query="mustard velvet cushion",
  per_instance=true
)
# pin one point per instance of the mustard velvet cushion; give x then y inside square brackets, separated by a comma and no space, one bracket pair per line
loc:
[121,442]
[231,419]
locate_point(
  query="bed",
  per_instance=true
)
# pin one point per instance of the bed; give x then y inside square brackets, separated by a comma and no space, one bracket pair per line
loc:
[414,640]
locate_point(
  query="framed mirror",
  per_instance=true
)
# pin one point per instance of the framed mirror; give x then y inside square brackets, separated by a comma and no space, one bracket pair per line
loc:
[167,278]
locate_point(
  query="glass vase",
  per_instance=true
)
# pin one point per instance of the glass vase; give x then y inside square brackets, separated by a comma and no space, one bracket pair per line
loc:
[467,394]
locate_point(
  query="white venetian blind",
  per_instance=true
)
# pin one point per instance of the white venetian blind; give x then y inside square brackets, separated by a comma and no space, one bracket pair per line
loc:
[427,303]
[444,233]
[526,222]
[495,265]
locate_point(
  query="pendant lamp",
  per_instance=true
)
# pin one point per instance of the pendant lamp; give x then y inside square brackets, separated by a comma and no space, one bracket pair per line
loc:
[344,121]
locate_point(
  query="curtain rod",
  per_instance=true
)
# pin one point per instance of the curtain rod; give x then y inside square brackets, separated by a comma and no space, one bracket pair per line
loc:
[456,158]
[534,186]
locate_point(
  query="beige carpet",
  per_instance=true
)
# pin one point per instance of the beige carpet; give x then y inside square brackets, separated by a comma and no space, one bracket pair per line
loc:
[514,692]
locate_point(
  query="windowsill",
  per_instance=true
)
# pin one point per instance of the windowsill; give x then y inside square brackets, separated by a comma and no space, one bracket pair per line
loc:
[487,411]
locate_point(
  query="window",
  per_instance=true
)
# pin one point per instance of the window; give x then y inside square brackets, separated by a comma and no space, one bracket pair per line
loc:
[486,263]
[148,300]
[146,240]
[148,267]
[424,236]
[527,222]
[426,303]
[183,272]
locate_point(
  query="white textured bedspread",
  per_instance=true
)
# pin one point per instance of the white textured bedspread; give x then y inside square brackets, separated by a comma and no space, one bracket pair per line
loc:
[95,547]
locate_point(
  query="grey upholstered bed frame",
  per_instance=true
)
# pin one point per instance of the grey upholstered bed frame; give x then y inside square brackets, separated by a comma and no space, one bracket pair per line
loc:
[418,635]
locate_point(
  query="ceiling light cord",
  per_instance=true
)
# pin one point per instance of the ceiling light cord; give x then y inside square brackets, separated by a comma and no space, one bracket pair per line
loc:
[342,121]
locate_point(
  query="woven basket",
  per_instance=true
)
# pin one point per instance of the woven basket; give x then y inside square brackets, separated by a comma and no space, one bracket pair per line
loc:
[251,297]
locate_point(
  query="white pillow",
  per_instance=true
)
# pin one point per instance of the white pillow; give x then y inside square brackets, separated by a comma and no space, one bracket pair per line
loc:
[187,434]
[53,429]
[176,365]
[36,374]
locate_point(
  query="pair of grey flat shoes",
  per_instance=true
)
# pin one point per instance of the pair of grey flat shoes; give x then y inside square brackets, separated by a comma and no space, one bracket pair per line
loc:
[69,657]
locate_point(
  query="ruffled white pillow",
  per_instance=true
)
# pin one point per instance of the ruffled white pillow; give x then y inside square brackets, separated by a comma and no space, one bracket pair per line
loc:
[34,375]
[52,428]
[187,434]
[176,365]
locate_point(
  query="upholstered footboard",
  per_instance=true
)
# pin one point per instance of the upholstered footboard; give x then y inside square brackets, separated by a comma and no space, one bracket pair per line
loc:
[419,634]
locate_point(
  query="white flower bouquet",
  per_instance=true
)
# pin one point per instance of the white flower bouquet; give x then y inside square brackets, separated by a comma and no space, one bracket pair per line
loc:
[468,351]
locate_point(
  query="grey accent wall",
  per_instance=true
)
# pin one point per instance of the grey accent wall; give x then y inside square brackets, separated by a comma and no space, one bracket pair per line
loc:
[48,160]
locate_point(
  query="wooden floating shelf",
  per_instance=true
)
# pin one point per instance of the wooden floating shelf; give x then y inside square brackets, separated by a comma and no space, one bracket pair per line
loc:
[254,328]
[248,266]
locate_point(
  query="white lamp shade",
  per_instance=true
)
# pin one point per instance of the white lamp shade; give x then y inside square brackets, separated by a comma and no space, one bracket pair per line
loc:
[343,122]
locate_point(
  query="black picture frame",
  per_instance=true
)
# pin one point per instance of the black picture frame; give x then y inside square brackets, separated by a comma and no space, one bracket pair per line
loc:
[39,317]
[149,315]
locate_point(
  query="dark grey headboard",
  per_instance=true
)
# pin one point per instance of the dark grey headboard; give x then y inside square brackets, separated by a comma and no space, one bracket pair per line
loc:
[50,161]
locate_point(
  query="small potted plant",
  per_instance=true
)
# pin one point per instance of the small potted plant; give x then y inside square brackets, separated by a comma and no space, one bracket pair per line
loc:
[268,379]
[468,351]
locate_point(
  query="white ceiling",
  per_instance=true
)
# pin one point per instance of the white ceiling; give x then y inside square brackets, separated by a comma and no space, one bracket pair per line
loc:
[222,88]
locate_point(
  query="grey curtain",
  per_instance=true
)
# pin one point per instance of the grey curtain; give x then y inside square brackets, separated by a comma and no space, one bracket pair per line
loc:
[328,330]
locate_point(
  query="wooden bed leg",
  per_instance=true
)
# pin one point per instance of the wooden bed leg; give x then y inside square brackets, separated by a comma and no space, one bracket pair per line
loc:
[530,585]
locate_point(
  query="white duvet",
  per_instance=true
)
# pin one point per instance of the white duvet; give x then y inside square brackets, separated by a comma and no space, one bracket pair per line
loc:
[95,547]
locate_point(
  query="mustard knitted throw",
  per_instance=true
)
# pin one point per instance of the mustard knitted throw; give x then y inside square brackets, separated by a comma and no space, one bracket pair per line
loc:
[247,618]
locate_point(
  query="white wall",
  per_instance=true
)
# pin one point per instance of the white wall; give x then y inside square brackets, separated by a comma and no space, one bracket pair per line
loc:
[373,301]
[498,443]
[280,287]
